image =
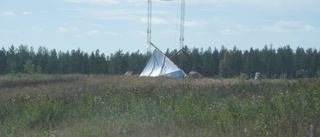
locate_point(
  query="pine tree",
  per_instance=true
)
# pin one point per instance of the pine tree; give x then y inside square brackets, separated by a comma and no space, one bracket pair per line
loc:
[51,66]
[29,67]
[3,60]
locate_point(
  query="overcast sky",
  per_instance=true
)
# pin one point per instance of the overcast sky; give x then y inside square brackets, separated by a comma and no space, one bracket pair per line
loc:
[110,25]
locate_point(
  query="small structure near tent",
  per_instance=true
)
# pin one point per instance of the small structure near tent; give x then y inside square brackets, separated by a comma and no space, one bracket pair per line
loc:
[258,76]
[128,73]
[195,74]
[244,76]
[160,65]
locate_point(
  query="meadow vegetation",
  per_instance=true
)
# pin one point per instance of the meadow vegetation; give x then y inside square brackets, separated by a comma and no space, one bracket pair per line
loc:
[101,105]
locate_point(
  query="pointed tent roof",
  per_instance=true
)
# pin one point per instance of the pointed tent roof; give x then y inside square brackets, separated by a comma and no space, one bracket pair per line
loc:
[160,65]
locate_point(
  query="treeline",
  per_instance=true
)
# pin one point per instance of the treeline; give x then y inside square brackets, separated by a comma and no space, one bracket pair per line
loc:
[26,60]
[272,63]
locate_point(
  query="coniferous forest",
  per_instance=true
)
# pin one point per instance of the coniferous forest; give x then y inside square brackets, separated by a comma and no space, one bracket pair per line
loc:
[283,62]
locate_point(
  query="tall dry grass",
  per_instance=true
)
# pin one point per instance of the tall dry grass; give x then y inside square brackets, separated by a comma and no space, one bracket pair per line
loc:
[100,105]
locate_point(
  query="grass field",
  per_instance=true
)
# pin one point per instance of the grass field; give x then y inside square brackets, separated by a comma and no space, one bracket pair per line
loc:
[100,105]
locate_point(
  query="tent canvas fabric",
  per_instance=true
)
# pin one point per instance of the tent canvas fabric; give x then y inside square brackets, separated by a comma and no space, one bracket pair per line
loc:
[160,65]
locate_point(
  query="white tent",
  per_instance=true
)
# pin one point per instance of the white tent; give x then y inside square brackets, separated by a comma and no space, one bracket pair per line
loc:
[160,65]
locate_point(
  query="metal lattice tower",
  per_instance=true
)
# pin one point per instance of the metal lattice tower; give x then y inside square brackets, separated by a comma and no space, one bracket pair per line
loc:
[149,26]
[182,16]
[149,22]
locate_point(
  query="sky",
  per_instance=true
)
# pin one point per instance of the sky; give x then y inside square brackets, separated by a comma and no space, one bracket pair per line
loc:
[112,25]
